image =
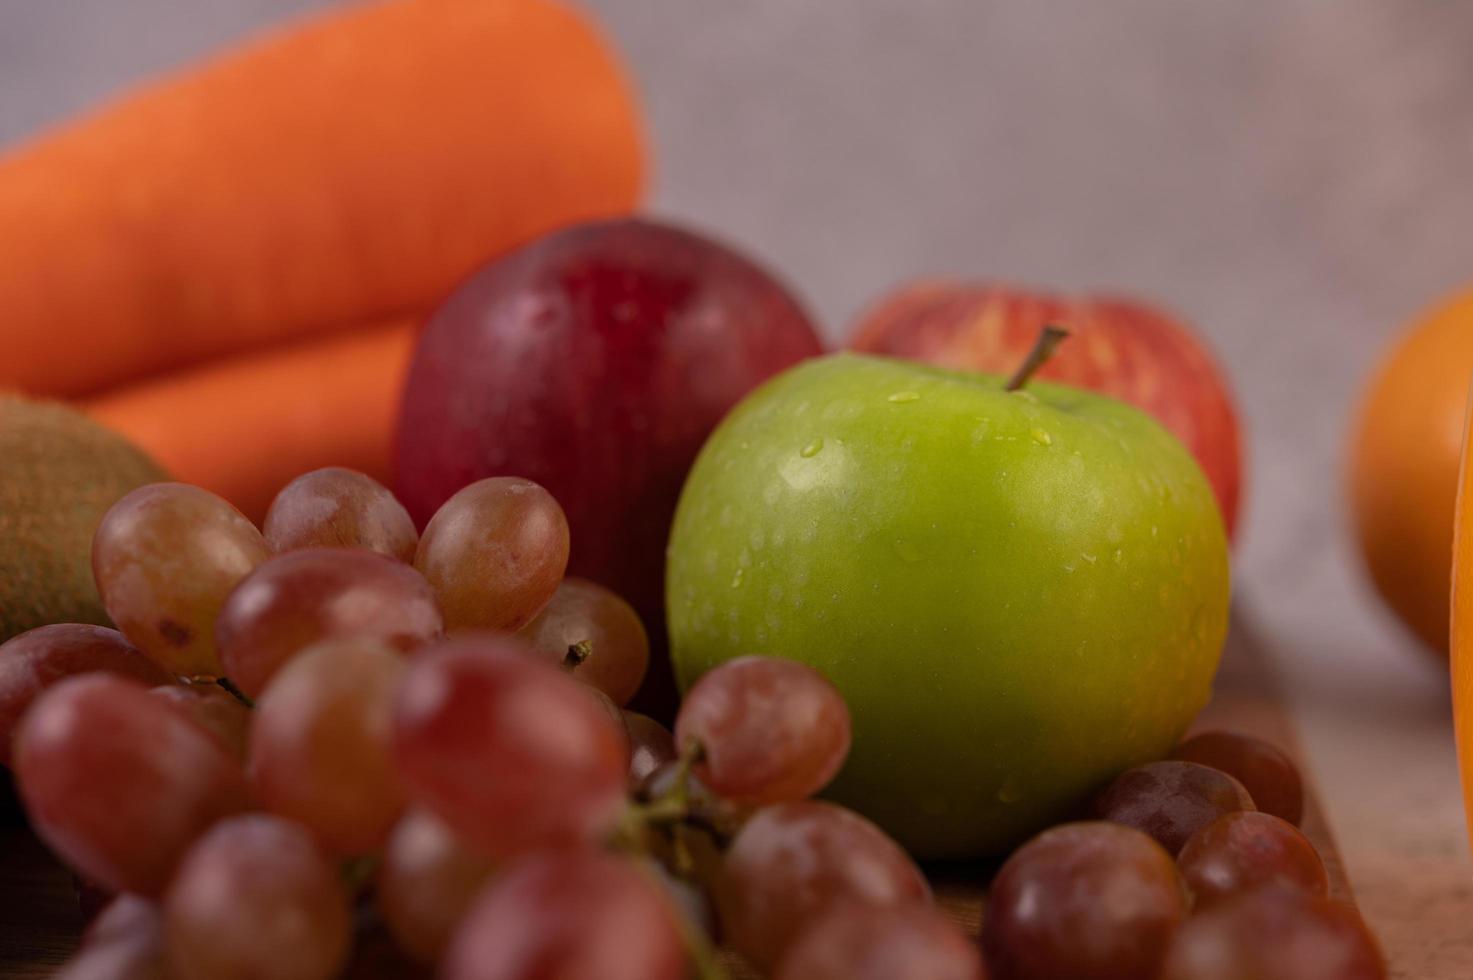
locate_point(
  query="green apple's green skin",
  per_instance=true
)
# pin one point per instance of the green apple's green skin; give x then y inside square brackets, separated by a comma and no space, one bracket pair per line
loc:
[1019,594]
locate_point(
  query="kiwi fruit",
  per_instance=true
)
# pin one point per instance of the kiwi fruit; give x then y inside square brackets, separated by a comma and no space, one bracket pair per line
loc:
[59,473]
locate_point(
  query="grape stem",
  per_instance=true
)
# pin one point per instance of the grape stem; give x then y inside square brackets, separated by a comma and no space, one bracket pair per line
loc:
[577,653]
[702,955]
[666,809]
[1043,348]
[357,872]
[671,807]
[237,693]
[698,950]
[674,807]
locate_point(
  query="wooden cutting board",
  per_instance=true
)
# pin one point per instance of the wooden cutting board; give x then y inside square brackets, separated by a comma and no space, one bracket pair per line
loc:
[40,922]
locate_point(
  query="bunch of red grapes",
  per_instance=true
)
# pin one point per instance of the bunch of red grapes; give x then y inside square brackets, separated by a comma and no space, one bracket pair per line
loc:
[1193,868]
[336,744]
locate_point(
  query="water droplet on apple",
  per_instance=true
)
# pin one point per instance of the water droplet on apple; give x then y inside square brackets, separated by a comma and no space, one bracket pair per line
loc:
[1119,556]
[905,396]
[907,552]
[736,580]
[1041,437]
[1088,557]
[1069,568]
[812,449]
[1011,790]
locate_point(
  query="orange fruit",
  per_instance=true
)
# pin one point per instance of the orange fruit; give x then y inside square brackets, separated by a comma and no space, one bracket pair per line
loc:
[1462,621]
[1404,466]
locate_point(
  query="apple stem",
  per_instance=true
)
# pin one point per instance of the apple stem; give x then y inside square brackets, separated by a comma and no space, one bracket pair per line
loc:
[1043,348]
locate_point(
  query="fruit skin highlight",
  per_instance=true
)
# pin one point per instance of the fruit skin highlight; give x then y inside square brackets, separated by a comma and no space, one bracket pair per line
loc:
[1019,595]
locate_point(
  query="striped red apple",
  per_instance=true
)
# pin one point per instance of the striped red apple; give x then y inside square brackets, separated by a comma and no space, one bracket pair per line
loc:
[1123,348]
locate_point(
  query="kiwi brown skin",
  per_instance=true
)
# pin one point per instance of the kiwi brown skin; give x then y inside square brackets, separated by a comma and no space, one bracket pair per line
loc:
[59,473]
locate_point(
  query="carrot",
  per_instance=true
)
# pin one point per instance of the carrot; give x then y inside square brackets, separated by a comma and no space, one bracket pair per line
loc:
[245,427]
[346,171]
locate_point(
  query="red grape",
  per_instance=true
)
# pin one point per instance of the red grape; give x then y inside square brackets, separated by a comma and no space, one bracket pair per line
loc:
[1244,850]
[1274,934]
[320,749]
[650,746]
[792,859]
[578,914]
[299,598]
[165,557]
[495,553]
[426,882]
[125,942]
[214,709]
[119,782]
[339,508]
[511,753]
[854,941]
[34,660]
[123,917]
[1171,801]
[137,958]
[255,898]
[1087,901]
[594,634]
[769,730]
[1268,775]
[615,714]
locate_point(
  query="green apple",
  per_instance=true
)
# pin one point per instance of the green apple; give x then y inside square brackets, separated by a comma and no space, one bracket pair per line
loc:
[1019,593]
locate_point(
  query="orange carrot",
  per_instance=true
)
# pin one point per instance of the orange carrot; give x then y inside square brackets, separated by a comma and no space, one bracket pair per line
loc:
[245,427]
[349,170]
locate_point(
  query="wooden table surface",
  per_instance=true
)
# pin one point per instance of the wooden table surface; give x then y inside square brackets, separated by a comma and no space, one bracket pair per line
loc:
[40,921]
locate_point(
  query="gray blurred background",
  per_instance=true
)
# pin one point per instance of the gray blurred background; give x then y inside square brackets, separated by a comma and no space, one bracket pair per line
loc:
[1294,176]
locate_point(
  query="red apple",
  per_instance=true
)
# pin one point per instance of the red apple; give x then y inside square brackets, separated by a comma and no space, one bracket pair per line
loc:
[595,361]
[1120,347]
